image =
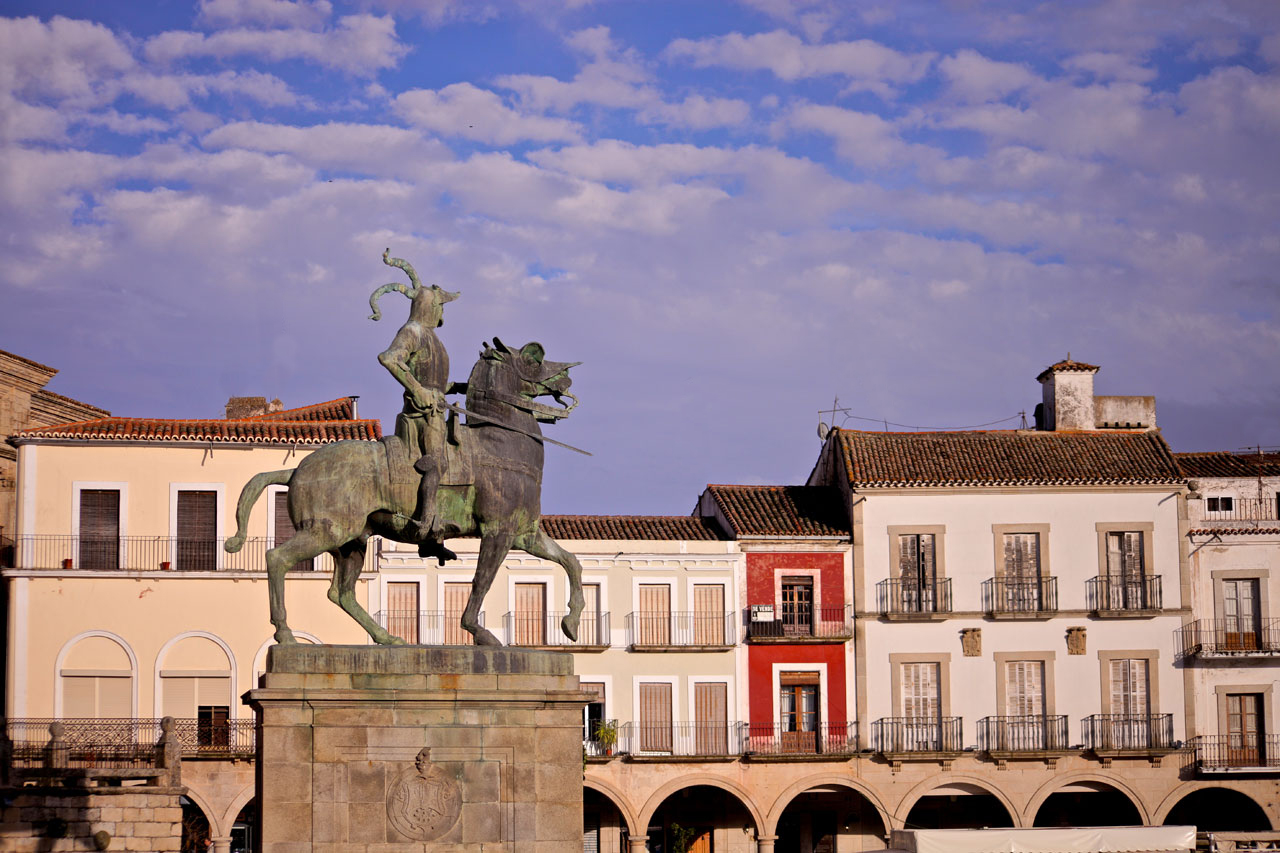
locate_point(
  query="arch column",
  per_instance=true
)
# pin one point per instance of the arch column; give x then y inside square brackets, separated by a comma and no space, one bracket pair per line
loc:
[764,843]
[221,844]
[636,843]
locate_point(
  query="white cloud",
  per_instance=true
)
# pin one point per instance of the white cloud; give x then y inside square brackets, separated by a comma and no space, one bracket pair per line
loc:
[367,149]
[62,59]
[867,64]
[972,77]
[177,90]
[127,124]
[307,14]
[1110,66]
[360,44]
[461,110]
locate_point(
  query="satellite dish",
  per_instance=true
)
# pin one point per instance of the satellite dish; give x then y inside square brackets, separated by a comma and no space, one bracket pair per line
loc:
[823,431]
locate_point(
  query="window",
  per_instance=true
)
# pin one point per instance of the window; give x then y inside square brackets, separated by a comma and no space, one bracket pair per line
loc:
[798,703]
[590,629]
[213,725]
[1018,588]
[1241,623]
[655,615]
[708,614]
[183,695]
[797,606]
[97,695]
[655,716]
[1024,704]
[402,610]
[917,572]
[284,530]
[1125,589]
[593,714]
[99,529]
[197,519]
[922,707]
[455,602]
[1220,504]
[711,717]
[530,615]
[1129,687]
[1245,736]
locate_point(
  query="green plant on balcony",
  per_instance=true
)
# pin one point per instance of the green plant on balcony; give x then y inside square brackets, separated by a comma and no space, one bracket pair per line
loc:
[606,735]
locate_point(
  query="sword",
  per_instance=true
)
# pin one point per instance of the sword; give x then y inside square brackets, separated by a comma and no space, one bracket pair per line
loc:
[482,419]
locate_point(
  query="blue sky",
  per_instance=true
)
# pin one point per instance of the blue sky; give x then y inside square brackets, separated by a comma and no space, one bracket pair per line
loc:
[731,212]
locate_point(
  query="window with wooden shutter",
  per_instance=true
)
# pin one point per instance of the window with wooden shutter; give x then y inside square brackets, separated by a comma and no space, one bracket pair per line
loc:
[1129,687]
[1024,688]
[455,602]
[99,529]
[1022,556]
[655,716]
[708,614]
[711,717]
[197,518]
[1240,618]
[530,614]
[920,697]
[655,615]
[917,572]
[284,531]
[1125,570]
[402,610]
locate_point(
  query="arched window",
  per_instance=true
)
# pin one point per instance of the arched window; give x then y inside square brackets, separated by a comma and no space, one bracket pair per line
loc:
[97,679]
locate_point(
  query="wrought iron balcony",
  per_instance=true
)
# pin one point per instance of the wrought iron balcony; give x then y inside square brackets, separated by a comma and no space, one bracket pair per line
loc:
[1020,597]
[661,630]
[82,742]
[1229,638]
[1236,753]
[1217,509]
[1032,733]
[148,553]
[823,739]
[897,597]
[896,735]
[543,629]
[1114,595]
[1128,732]
[815,623]
[428,628]
[706,739]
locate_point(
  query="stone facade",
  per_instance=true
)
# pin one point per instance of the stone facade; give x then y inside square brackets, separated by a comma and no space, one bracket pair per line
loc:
[141,818]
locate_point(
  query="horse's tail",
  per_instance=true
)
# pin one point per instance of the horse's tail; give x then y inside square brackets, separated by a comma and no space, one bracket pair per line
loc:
[248,497]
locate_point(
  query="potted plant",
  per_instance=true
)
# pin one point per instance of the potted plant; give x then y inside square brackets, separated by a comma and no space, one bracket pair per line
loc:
[606,735]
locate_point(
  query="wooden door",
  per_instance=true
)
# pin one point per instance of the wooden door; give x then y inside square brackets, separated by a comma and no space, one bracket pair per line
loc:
[402,610]
[99,529]
[708,614]
[1240,614]
[655,615]
[1244,730]
[797,606]
[711,718]
[197,517]
[455,602]
[798,702]
[530,615]
[1024,727]
[702,843]
[922,707]
[655,717]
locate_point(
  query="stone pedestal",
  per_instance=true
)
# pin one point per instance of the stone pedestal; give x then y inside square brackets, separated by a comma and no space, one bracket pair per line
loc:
[383,749]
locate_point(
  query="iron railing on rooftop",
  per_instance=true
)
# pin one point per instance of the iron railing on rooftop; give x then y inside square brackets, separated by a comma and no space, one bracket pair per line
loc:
[680,628]
[822,739]
[1020,595]
[896,596]
[1028,733]
[427,627]
[822,622]
[1116,594]
[1127,732]
[1229,638]
[683,739]
[1224,753]
[917,734]
[85,742]
[1241,509]
[148,553]
[543,629]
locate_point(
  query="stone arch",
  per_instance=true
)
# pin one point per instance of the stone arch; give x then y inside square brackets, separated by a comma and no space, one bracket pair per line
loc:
[1058,782]
[201,802]
[239,801]
[71,644]
[923,788]
[158,691]
[619,800]
[797,788]
[1178,794]
[656,799]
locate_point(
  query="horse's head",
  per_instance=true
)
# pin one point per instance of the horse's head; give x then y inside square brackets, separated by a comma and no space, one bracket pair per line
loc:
[536,377]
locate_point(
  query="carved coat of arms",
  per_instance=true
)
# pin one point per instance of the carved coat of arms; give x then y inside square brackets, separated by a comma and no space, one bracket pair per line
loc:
[424,803]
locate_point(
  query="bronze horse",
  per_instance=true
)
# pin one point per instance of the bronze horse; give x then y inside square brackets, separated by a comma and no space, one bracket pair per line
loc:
[346,492]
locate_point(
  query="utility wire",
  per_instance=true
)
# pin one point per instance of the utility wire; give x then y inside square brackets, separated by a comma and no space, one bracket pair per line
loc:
[932,429]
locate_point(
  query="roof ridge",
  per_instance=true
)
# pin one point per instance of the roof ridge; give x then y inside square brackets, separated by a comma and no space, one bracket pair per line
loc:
[277,415]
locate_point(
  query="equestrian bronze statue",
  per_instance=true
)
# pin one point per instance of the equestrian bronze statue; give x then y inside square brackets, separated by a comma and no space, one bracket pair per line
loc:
[437,477]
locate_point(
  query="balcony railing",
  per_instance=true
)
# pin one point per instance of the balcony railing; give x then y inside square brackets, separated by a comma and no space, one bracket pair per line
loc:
[1115,595]
[823,739]
[1019,596]
[1127,732]
[915,734]
[428,628]
[899,597]
[543,629]
[147,553]
[1244,509]
[123,742]
[1229,638]
[1227,753]
[816,622]
[683,739]
[1034,733]
[663,629]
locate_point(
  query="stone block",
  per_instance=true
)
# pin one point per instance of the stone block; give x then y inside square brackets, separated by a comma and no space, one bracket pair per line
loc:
[323,825]
[367,782]
[367,822]
[480,780]
[335,744]
[290,821]
[557,822]
[481,822]
[454,736]
[112,813]
[290,783]
[554,785]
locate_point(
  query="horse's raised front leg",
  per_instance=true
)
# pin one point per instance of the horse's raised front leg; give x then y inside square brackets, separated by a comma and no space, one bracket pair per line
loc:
[494,546]
[544,547]
[348,561]
[304,545]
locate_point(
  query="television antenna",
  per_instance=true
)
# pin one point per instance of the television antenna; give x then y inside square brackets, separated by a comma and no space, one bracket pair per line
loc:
[824,428]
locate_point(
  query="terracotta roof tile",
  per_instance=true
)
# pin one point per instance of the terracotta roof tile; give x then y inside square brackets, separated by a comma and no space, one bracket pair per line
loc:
[782,510]
[652,527]
[341,409]
[1234,531]
[1226,464]
[212,430]
[1067,366]
[1005,458]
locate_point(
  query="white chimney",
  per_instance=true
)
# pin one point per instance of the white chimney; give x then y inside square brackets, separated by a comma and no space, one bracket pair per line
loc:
[1068,395]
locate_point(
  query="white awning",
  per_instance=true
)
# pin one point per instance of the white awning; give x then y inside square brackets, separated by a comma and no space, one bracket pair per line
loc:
[1108,839]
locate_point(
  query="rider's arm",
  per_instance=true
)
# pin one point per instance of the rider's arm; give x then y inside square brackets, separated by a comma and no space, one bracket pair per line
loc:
[396,361]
